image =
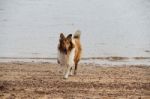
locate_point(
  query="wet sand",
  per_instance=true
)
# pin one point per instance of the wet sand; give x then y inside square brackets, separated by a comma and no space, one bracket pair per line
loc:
[30,80]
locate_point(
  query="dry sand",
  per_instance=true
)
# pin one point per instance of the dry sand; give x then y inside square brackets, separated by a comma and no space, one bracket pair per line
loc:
[21,80]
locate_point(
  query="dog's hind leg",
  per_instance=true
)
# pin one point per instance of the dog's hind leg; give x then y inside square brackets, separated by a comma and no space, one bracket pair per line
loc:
[71,71]
[75,70]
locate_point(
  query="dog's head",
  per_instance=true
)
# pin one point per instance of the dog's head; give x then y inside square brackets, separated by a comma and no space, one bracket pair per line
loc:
[65,43]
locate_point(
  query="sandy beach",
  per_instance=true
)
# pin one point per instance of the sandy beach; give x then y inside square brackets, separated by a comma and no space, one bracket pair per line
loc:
[44,80]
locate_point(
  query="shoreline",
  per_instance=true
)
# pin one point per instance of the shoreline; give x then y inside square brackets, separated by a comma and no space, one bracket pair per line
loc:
[112,60]
[85,58]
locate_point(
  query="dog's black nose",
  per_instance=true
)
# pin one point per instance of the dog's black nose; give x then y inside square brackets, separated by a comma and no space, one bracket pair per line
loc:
[65,50]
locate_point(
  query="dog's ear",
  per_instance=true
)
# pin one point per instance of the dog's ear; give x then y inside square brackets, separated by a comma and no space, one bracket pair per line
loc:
[62,36]
[69,37]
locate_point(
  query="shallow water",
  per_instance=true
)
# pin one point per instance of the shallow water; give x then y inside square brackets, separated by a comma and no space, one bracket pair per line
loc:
[30,28]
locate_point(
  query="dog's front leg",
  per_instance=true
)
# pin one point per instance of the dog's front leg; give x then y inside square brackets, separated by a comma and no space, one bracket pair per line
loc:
[67,71]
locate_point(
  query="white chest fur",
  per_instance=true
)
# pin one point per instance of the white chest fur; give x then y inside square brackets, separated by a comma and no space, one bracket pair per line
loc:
[71,57]
[66,59]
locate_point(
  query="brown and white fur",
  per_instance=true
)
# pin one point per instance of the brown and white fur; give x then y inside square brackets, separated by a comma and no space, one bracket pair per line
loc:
[69,52]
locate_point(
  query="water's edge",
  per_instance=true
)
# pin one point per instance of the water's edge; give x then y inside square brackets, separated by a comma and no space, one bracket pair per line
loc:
[113,60]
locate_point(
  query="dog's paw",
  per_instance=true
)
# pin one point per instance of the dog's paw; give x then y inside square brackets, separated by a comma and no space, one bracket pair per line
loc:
[71,74]
[66,77]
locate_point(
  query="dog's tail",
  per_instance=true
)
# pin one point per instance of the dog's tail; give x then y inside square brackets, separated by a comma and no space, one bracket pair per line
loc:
[77,34]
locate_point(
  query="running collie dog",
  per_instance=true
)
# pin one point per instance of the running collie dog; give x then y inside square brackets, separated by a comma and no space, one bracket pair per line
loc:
[69,52]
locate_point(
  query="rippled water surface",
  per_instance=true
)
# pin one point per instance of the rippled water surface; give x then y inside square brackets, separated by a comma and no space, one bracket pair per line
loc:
[30,28]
